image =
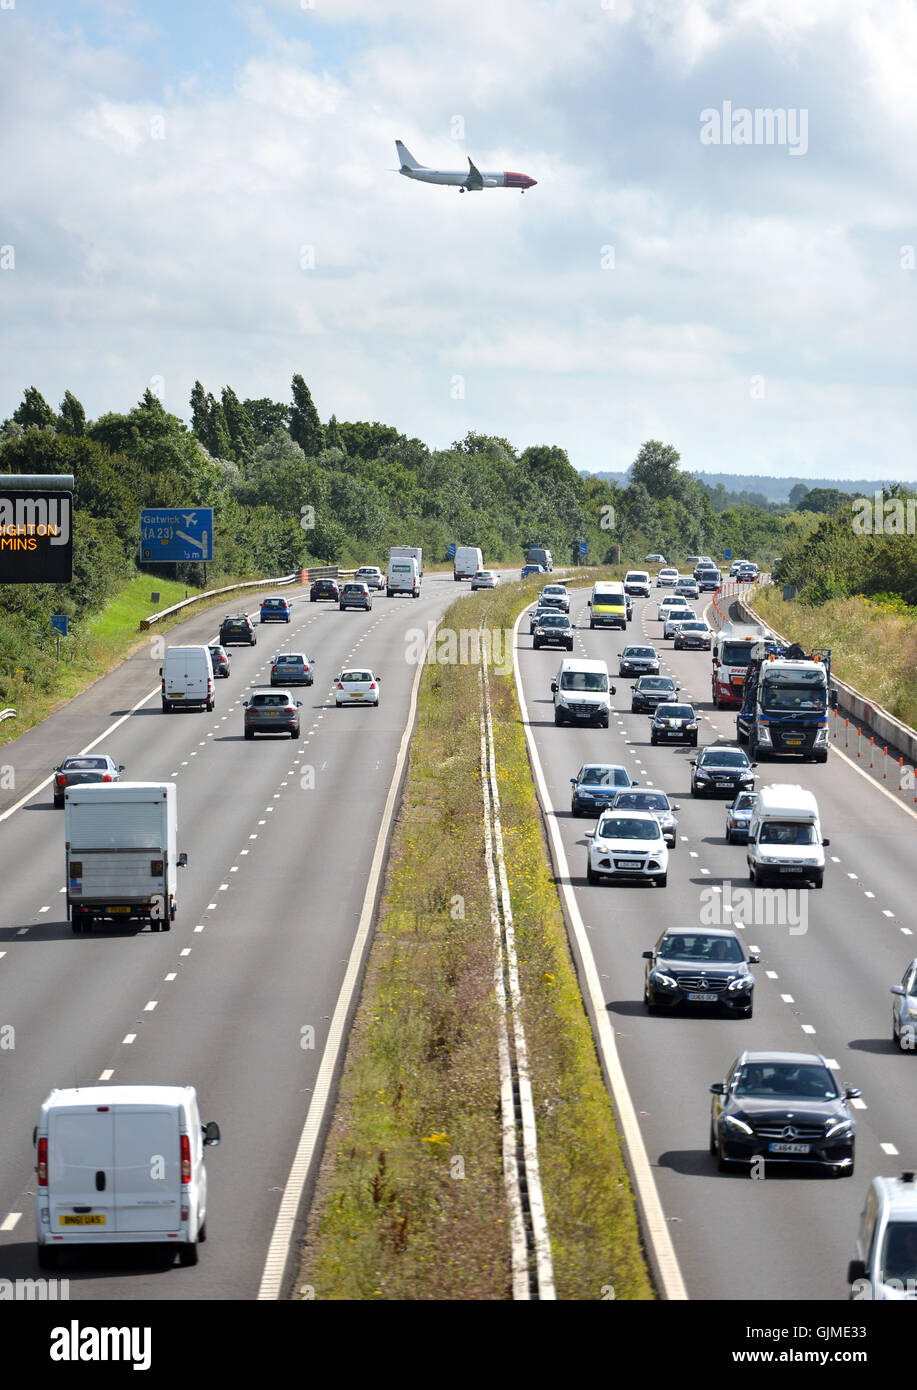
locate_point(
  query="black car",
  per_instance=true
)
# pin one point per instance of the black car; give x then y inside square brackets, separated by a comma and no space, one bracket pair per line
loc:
[324,588]
[78,772]
[720,768]
[553,630]
[638,661]
[536,616]
[651,691]
[220,660]
[238,628]
[699,967]
[782,1107]
[674,724]
[708,580]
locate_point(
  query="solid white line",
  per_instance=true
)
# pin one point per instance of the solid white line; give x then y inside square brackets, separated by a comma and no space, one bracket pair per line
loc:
[654,1221]
[322,1095]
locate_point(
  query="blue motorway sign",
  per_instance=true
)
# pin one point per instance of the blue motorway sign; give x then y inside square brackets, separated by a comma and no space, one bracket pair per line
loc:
[170,534]
[59,623]
[727,553]
[582,548]
[450,551]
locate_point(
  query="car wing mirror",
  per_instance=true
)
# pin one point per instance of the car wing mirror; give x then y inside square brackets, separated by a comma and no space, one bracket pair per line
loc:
[675,808]
[851,1093]
[553,687]
[833,699]
[856,1270]
[211,1132]
[898,989]
[826,842]
[120,767]
[183,860]
[647,955]
[718,1088]
[754,958]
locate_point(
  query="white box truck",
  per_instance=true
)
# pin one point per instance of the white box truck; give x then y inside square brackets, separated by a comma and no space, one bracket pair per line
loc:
[468,560]
[121,1165]
[121,853]
[784,836]
[398,552]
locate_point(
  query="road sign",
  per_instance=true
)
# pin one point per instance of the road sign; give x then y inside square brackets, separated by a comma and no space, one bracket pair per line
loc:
[170,534]
[59,623]
[582,549]
[36,537]
[727,554]
[450,551]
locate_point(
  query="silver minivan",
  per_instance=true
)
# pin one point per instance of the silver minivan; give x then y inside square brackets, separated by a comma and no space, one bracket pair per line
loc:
[121,1165]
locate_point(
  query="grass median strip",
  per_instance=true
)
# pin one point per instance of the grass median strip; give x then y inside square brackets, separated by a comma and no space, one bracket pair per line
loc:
[410,1198]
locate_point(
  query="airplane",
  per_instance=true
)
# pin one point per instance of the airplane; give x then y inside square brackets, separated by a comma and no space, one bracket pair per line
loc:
[472,181]
[188,517]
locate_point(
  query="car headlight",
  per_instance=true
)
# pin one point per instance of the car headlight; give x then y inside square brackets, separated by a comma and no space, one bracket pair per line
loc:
[665,981]
[842,1130]
[690,727]
[740,982]
[701,775]
[738,1126]
[764,736]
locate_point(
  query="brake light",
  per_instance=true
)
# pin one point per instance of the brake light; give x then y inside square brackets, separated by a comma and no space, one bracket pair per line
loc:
[163,685]
[185,1158]
[372,685]
[61,780]
[274,668]
[340,686]
[107,777]
[42,1163]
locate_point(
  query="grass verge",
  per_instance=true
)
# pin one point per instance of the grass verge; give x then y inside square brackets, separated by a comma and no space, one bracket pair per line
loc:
[410,1201]
[873,644]
[99,643]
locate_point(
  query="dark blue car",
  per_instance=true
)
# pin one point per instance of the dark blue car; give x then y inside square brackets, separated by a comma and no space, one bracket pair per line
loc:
[279,610]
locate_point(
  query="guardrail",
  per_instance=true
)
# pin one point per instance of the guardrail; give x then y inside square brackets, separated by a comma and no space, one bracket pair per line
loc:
[883,726]
[297,577]
[8,714]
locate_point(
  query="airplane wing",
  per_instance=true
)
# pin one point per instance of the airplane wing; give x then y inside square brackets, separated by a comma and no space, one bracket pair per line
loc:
[474,179]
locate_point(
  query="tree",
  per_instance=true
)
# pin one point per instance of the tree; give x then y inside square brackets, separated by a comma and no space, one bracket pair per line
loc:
[798,493]
[239,427]
[824,499]
[305,426]
[72,418]
[366,441]
[34,412]
[267,417]
[219,442]
[333,438]
[200,413]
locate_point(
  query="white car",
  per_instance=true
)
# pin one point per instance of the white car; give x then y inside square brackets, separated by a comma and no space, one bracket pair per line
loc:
[670,601]
[666,578]
[484,579]
[674,620]
[371,575]
[357,687]
[627,844]
[555,596]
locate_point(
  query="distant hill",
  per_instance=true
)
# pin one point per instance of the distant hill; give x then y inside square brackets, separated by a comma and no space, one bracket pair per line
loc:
[774,489]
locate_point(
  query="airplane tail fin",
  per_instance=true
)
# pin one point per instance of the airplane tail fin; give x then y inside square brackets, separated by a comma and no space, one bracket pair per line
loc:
[407,159]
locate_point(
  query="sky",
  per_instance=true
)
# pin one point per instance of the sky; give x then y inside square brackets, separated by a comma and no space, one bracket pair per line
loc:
[208,192]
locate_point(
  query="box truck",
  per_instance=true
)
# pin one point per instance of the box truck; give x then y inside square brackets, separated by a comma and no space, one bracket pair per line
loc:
[121,853]
[400,552]
[121,1165]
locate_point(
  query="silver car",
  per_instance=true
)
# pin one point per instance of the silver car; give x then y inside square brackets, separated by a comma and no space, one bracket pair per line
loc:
[904,1010]
[484,579]
[738,816]
[687,588]
[648,799]
[676,616]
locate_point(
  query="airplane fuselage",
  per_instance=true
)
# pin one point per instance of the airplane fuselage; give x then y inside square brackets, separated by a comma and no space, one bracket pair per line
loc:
[458,178]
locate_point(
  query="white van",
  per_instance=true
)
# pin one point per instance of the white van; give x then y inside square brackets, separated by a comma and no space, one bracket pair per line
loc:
[403,577]
[582,693]
[468,561]
[187,678]
[121,1165]
[784,836]
[883,1268]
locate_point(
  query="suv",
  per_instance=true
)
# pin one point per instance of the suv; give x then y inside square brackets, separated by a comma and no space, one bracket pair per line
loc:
[270,712]
[886,1248]
[553,630]
[356,596]
[324,588]
[220,660]
[555,596]
[238,628]
[292,668]
[708,579]
[279,610]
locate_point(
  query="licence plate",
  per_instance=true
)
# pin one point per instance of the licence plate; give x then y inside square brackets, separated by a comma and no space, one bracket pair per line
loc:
[272,713]
[703,998]
[630,864]
[356,694]
[96,1219]
[792,742]
[113,910]
[789,1148]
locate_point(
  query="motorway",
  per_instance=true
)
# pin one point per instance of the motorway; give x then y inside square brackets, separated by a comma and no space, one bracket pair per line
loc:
[820,989]
[280,837]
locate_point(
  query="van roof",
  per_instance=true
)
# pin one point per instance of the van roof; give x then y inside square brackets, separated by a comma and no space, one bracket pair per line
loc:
[115,791]
[786,799]
[899,1198]
[118,1095]
[579,663]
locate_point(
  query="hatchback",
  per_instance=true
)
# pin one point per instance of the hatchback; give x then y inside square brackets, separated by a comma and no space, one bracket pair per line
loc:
[596,785]
[271,712]
[220,660]
[357,687]
[721,769]
[292,668]
[674,723]
[484,579]
[324,589]
[627,844]
[371,575]
[276,610]
[238,628]
[657,803]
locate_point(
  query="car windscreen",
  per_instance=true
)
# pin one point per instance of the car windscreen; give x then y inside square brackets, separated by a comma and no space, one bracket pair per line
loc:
[794,697]
[799,1080]
[641,801]
[701,947]
[657,683]
[899,1251]
[736,653]
[674,712]
[623,828]
[775,832]
[693,626]
[584,680]
[356,676]
[715,757]
[554,620]
[85,764]
[639,653]
[270,700]
[598,775]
